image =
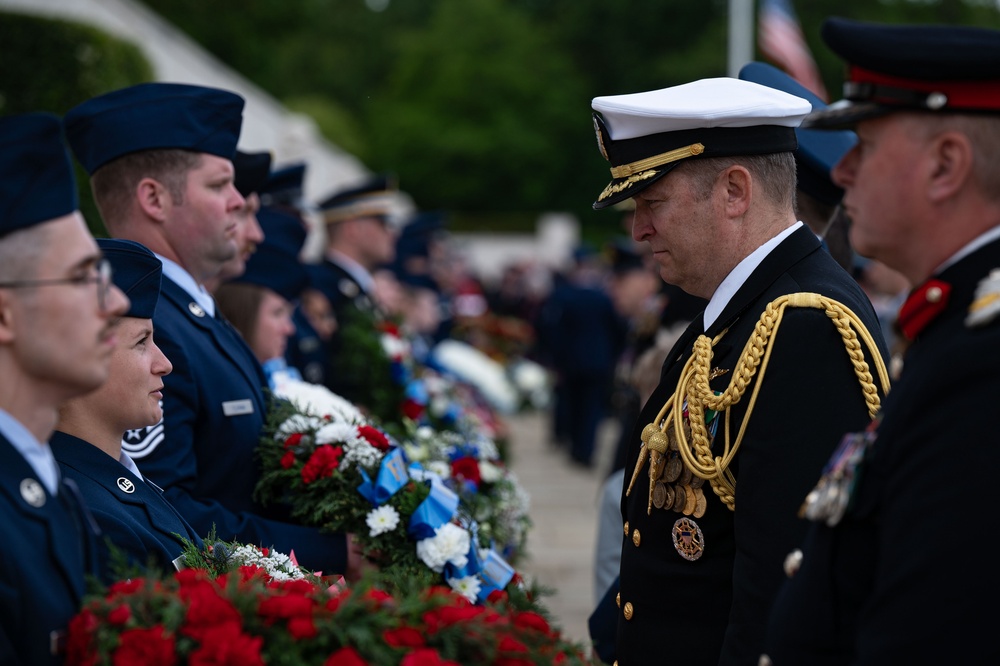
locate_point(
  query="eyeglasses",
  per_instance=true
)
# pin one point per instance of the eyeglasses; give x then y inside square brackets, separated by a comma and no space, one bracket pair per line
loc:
[102,278]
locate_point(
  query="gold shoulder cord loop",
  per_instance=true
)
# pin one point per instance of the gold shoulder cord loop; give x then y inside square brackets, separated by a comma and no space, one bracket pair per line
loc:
[693,391]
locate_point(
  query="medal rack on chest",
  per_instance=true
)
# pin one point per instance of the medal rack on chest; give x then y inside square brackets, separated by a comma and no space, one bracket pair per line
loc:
[679,442]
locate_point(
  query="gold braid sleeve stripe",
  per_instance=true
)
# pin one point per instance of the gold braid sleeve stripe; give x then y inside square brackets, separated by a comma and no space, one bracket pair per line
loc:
[693,388]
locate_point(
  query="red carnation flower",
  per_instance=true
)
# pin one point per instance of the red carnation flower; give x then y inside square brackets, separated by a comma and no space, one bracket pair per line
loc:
[530,620]
[378,596]
[206,609]
[145,647]
[412,409]
[497,597]
[388,327]
[119,616]
[79,641]
[426,657]
[293,440]
[322,462]
[302,627]
[510,644]
[285,607]
[287,460]
[347,656]
[227,645]
[374,436]
[126,587]
[466,468]
[403,637]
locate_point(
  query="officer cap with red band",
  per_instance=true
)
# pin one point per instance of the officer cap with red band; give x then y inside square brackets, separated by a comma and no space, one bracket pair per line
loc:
[933,68]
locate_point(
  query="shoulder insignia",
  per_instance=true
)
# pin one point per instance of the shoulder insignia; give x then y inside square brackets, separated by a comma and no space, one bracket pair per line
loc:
[141,442]
[32,493]
[986,305]
[922,307]
[348,288]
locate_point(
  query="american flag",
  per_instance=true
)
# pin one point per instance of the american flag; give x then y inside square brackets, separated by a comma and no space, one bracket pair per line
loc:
[781,41]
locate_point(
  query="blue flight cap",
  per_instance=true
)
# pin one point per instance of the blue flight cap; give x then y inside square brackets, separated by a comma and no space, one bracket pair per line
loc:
[136,271]
[252,170]
[36,174]
[416,280]
[930,68]
[372,198]
[152,116]
[284,186]
[818,151]
[276,264]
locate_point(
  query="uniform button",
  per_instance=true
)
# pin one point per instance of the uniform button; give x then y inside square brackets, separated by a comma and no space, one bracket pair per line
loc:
[618,599]
[636,537]
[763,661]
[792,562]
[627,611]
[626,528]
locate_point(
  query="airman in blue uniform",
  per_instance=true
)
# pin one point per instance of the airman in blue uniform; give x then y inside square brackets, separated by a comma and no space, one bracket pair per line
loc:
[135,519]
[159,156]
[899,562]
[57,332]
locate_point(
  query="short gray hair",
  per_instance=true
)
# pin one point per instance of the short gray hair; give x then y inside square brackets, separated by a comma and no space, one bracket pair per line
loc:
[774,172]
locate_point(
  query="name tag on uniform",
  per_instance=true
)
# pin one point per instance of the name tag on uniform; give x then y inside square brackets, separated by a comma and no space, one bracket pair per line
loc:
[237,407]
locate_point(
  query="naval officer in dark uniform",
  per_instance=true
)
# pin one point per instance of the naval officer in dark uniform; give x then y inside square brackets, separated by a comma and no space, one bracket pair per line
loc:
[899,563]
[130,509]
[753,395]
[57,333]
[360,236]
[159,159]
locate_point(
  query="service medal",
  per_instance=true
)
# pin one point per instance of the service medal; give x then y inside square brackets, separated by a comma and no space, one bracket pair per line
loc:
[689,542]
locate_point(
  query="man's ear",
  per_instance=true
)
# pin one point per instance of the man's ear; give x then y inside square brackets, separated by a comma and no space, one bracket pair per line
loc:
[153,198]
[951,164]
[6,318]
[738,186]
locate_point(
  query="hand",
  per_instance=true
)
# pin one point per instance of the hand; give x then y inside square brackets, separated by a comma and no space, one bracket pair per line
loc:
[357,564]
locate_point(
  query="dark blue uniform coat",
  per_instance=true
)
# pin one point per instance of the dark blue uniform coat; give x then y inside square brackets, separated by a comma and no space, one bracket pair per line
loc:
[131,513]
[714,610]
[46,554]
[346,297]
[202,454]
[909,575]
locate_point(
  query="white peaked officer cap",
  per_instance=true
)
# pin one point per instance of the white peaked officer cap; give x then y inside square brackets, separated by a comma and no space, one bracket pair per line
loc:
[645,135]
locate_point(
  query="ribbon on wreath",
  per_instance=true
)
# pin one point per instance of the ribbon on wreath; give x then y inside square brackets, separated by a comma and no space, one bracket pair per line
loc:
[392,476]
[437,509]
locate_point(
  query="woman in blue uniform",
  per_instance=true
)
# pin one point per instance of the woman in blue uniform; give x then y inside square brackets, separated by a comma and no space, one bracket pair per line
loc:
[134,517]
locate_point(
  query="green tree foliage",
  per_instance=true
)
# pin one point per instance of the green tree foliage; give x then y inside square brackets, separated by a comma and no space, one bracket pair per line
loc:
[54,65]
[481,106]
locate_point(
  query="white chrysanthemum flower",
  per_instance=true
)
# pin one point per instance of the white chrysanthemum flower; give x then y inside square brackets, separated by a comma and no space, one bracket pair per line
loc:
[395,347]
[416,452]
[438,406]
[473,366]
[297,423]
[468,587]
[450,543]
[317,400]
[487,448]
[381,520]
[359,452]
[337,432]
[489,472]
[439,467]
[277,565]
